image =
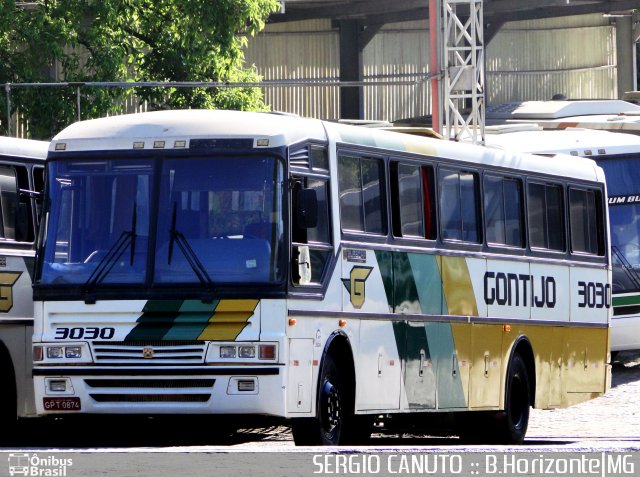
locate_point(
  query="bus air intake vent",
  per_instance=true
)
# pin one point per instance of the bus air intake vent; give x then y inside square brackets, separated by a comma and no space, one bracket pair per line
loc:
[150,383]
[150,398]
[300,158]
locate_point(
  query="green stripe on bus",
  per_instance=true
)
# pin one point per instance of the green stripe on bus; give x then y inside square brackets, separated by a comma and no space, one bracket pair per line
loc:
[405,292]
[158,316]
[413,284]
[419,377]
[442,347]
[626,300]
[428,281]
[193,318]
[385,265]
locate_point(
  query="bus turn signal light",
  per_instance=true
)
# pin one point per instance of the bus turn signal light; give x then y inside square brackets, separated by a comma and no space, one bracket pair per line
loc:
[267,352]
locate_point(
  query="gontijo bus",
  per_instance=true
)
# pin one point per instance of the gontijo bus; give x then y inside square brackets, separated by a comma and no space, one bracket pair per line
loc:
[21,178]
[218,262]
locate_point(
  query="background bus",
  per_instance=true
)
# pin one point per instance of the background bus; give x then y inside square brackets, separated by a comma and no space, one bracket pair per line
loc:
[245,264]
[607,115]
[21,181]
[619,155]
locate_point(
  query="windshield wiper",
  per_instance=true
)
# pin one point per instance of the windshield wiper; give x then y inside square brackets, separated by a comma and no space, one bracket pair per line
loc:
[106,264]
[177,237]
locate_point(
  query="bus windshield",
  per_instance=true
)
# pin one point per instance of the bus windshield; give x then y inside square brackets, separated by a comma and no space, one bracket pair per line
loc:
[204,221]
[623,186]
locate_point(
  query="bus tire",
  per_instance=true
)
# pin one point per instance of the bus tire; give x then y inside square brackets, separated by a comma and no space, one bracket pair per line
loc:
[334,410]
[511,424]
[8,405]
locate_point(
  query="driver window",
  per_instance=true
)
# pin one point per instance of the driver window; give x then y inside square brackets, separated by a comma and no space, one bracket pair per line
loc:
[16,221]
[312,247]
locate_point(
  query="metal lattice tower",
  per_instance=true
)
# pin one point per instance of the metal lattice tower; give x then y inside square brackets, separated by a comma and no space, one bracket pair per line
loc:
[462,65]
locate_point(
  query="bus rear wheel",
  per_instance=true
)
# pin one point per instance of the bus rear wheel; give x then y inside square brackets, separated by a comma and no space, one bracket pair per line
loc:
[511,424]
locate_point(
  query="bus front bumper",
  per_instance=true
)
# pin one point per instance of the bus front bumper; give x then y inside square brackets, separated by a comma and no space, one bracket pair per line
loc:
[193,390]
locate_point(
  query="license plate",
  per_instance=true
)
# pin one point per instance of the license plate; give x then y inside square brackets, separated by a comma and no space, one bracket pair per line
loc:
[61,403]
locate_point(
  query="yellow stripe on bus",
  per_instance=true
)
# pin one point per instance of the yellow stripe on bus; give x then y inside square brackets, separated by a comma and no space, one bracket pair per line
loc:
[456,283]
[569,362]
[228,320]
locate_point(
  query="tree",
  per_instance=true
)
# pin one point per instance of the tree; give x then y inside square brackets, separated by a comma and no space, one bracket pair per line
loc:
[126,40]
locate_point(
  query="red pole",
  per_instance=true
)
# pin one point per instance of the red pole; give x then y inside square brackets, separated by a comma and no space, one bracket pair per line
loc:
[434,66]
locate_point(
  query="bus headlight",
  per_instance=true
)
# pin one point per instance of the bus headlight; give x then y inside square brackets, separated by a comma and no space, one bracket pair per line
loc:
[227,352]
[245,352]
[74,352]
[55,352]
[62,353]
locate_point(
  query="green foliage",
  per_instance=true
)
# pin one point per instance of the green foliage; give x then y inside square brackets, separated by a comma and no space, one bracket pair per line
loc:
[126,40]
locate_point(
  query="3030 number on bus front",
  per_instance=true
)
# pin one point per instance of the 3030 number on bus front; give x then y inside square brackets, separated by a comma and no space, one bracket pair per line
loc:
[89,333]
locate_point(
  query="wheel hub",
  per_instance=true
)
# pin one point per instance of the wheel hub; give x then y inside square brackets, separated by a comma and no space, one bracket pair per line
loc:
[332,407]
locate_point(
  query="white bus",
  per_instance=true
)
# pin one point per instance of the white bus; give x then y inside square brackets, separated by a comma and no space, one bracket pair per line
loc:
[21,180]
[249,264]
[619,155]
[607,114]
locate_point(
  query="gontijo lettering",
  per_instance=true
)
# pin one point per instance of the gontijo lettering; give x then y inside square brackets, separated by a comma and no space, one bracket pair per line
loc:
[517,289]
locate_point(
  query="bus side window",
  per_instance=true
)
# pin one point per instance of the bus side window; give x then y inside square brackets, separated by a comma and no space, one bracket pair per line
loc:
[584,221]
[362,199]
[546,216]
[412,199]
[459,205]
[503,211]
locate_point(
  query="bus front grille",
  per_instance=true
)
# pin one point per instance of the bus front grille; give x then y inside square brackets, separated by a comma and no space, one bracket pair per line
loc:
[153,352]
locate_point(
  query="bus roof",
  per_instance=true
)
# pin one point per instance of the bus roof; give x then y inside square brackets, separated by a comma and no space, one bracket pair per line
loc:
[25,148]
[573,141]
[608,115]
[120,132]
[167,129]
[560,109]
[579,168]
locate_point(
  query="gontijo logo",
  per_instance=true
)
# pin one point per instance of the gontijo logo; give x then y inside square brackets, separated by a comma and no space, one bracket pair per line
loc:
[7,280]
[355,285]
[33,465]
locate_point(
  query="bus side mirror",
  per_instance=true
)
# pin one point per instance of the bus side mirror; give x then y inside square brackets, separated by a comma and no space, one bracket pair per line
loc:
[307,208]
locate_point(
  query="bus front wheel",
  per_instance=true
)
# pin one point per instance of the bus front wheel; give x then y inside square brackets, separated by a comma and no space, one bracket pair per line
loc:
[8,406]
[333,408]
